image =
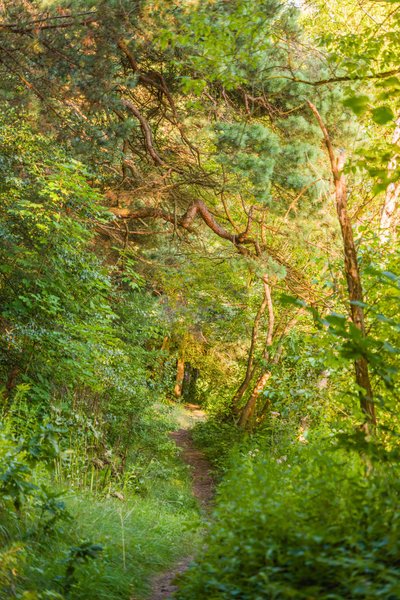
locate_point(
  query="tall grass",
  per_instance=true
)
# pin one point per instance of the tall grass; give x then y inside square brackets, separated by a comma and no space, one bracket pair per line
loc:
[144,520]
[140,537]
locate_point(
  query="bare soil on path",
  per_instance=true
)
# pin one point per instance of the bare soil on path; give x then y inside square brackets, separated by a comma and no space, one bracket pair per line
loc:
[203,490]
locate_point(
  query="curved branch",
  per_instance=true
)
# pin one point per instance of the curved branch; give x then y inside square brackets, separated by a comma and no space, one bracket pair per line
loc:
[344,78]
[198,207]
[145,127]
[296,281]
[41,24]
[157,80]
[48,18]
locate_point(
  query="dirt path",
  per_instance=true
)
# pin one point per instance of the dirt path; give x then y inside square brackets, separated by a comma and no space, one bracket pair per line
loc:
[203,490]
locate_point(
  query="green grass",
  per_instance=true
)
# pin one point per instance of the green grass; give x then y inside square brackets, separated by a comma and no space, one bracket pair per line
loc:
[154,524]
[140,537]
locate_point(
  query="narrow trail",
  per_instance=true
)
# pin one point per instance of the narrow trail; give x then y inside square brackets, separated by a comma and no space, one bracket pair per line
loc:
[203,490]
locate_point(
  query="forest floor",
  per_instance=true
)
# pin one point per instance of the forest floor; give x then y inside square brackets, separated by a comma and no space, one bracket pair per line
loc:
[163,585]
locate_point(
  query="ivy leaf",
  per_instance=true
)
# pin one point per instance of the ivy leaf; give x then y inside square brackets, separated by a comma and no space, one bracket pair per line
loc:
[382,115]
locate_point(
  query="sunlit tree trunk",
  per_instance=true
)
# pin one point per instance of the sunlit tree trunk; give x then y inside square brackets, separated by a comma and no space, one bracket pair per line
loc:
[390,206]
[249,408]
[250,369]
[180,373]
[352,271]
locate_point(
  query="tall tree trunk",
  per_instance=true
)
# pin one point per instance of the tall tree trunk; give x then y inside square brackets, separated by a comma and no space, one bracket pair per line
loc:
[249,408]
[389,209]
[352,270]
[250,369]
[180,372]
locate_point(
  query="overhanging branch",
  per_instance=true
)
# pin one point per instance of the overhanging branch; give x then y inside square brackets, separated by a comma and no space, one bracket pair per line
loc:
[198,207]
[295,279]
[146,130]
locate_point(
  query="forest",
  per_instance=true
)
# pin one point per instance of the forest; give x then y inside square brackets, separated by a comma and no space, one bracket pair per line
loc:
[199,299]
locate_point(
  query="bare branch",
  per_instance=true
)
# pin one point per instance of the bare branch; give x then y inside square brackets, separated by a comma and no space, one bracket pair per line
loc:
[344,78]
[331,152]
[145,127]
[41,24]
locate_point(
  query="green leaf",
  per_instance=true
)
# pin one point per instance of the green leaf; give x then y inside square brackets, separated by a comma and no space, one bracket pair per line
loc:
[358,104]
[390,82]
[359,303]
[382,115]
[391,276]
[392,349]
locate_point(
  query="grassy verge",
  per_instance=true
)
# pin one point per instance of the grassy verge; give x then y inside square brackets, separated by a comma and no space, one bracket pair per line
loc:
[108,547]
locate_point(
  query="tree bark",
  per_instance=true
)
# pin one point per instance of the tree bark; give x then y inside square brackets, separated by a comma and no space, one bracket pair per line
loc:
[250,370]
[352,270]
[180,372]
[10,385]
[249,408]
[389,209]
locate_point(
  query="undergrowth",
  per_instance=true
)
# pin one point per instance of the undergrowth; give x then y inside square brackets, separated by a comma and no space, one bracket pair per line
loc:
[94,544]
[299,518]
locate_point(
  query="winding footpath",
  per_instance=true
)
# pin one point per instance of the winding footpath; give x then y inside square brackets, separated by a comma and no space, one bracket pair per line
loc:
[203,490]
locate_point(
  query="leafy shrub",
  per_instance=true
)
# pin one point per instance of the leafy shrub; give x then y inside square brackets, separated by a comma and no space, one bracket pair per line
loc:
[216,440]
[301,523]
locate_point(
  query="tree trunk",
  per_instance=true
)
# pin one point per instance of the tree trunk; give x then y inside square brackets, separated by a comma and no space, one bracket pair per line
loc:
[389,210]
[354,287]
[180,372]
[249,408]
[10,385]
[351,270]
[250,370]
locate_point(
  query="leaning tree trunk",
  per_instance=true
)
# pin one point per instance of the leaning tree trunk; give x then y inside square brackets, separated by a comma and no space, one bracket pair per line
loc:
[249,408]
[250,369]
[352,271]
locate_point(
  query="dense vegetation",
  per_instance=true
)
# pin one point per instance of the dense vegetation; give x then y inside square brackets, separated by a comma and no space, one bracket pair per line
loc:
[199,202]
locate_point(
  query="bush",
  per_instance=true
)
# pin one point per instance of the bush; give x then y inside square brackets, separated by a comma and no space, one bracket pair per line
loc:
[304,523]
[216,440]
